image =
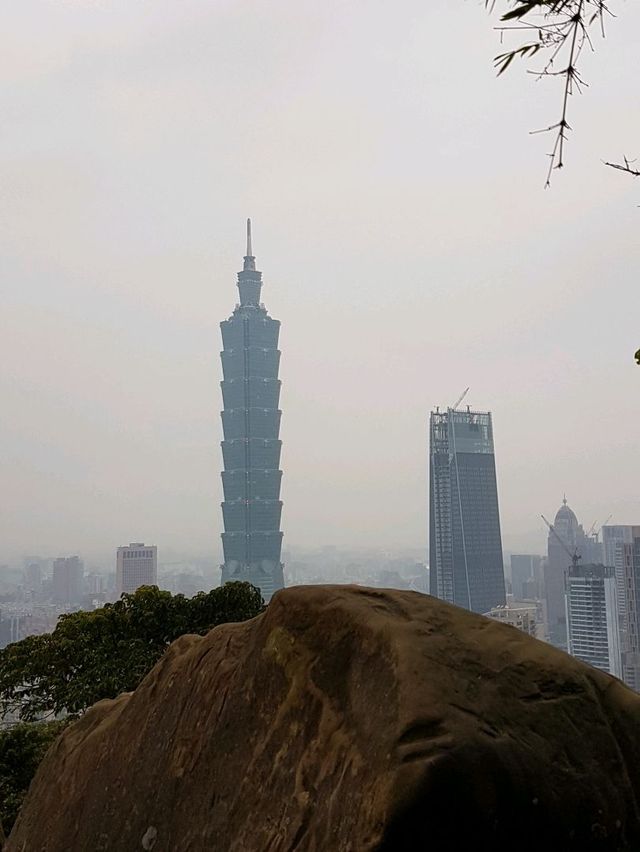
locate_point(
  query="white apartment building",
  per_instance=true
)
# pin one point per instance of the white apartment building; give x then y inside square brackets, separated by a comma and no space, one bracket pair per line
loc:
[593,630]
[137,565]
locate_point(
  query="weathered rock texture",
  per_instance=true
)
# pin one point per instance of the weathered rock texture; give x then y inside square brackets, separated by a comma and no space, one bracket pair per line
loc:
[348,719]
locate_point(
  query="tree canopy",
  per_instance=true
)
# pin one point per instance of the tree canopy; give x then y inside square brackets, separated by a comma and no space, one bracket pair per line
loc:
[99,654]
[22,748]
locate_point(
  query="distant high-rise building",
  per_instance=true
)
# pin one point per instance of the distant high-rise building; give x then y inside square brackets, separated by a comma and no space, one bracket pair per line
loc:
[136,565]
[68,574]
[532,590]
[613,537]
[525,567]
[592,617]
[252,540]
[33,578]
[94,584]
[566,538]
[465,546]
[622,554]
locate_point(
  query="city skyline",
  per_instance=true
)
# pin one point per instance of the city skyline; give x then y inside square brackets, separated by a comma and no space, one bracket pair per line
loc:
[403,275]
[322,534]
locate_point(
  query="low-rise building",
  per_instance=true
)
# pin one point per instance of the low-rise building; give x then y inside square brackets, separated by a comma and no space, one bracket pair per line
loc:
[522,617]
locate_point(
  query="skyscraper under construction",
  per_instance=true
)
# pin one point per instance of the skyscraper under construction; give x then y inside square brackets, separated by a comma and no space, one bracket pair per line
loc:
[252,540]
[465,546]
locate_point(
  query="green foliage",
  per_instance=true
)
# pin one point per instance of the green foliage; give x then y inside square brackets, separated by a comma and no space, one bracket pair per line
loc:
[503,60]
[99,654]
[22,747]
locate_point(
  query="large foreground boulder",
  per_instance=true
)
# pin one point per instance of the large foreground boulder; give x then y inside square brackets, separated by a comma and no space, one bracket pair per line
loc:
[347,718]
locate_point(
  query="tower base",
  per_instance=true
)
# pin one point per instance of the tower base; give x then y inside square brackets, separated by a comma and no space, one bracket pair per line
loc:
[266,575]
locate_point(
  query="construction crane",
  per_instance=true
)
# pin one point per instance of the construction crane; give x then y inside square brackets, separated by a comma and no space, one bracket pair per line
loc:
[575,556]
[595,533]
[459,400]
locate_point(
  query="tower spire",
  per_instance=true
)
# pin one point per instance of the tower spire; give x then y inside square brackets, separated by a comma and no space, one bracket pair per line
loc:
[249,259]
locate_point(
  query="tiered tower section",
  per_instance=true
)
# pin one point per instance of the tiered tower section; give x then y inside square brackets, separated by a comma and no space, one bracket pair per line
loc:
[252,540]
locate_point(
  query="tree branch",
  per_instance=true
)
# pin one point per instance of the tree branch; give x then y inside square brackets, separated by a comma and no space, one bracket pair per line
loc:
[624,168]
[562,29]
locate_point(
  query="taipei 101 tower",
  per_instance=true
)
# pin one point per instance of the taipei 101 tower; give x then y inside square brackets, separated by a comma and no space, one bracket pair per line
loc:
[252,540]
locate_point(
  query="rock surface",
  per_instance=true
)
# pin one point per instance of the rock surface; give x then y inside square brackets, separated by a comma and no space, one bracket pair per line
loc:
[347,719]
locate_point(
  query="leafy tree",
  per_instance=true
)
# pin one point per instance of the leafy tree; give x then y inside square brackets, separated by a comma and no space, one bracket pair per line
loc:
[22,747]
[99,654]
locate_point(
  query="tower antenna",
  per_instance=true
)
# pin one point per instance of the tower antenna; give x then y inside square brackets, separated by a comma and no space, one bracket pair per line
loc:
[249,249]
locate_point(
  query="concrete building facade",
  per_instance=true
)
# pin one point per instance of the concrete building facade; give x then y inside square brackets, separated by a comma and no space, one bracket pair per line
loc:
[614,537]
[136,565]
[521,617]
[622,555]
[593,632]
[68,580]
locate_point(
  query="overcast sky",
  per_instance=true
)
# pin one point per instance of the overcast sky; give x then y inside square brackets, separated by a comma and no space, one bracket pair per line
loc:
[407,246]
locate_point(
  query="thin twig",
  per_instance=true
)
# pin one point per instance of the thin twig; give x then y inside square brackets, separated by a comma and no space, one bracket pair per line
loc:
[563,28]
[624,168]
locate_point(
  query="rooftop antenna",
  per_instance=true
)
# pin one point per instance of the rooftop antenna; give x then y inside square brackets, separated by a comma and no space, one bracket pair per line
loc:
[249,259]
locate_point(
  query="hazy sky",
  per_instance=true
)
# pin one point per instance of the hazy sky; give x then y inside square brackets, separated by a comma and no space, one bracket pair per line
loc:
[407,245]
